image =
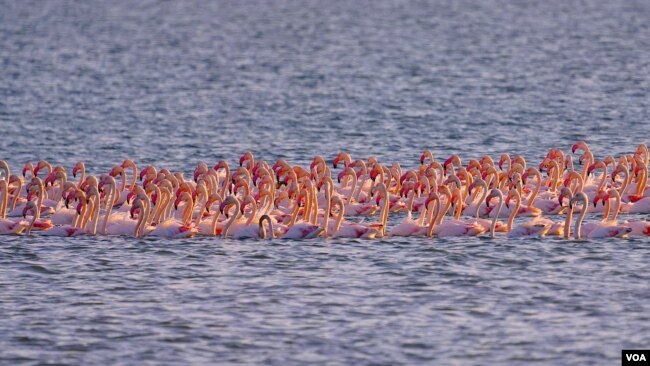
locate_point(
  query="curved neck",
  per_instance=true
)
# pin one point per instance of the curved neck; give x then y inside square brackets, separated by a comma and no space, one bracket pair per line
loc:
[37,215]
[109,206]
[82,177]
[434,215]
[483,197]
[496,216]
[232,218]
[443,212]
[4,190]
[353,188]
[140,222]
[19,188]
[641,180]
[617,205]
[95,215]
[189,209]
[538,186]
[623,188]
[567,223]
[339,217]
[123,179]
[134,180]
[253,212]
[578,226]
[262,231]
[513,213]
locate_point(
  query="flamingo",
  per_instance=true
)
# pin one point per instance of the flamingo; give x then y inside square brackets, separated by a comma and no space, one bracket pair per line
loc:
[528,229]
[63,230]
[594,229]
[8,226]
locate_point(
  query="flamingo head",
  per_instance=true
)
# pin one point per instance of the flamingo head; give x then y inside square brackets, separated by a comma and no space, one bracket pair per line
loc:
[30,207]
[423,157]
[565,192]
[221,164]
[129,196]
[493,193]
[580,145]
[342,174]
[67,197]
[76,168]
[503,159]
[50,179]
[336,161]
[80,207]
[242,207]
[247,156]
[375,172]
[27,167]
[448,162]
[136,207]
[178,200]
[225,204]
[115,171]
[599,196]
[619,169]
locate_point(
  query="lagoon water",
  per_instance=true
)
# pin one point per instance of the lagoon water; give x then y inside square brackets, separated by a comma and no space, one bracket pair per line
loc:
[174,83]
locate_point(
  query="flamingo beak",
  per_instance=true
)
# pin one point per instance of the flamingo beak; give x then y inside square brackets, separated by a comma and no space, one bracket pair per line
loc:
[129,196]
[422,159]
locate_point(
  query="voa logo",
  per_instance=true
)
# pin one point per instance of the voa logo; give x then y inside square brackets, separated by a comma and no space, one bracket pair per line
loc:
[635,357]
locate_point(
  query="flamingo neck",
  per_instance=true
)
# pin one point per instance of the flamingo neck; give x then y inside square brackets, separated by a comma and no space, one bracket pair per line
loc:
[513,213]
[109,206]
[567,223]
[581,218]
[3,202]
[623,188]
[37,215]
[17,194]
[538,186]
[434,215]
[496,216]
[232,218]
[617,206]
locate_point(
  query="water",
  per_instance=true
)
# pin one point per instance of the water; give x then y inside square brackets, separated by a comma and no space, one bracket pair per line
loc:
[174,83]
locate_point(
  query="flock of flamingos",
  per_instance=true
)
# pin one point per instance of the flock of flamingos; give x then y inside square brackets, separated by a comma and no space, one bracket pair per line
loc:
[258,200]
